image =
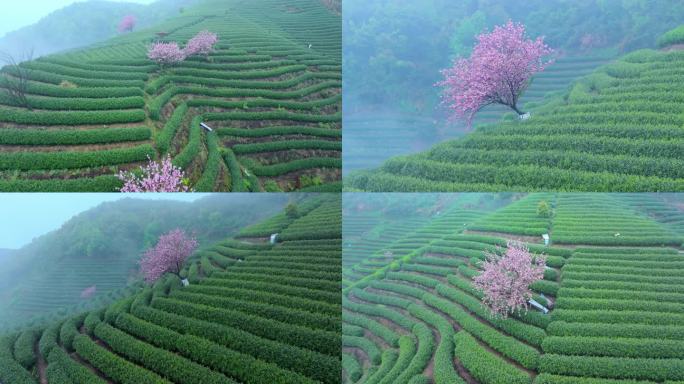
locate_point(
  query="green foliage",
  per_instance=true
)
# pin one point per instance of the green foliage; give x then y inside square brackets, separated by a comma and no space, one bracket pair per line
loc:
[68,160]
[675,36]
[485,367]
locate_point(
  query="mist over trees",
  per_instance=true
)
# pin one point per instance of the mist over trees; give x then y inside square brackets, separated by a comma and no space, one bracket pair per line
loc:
[84,23]
[393,50]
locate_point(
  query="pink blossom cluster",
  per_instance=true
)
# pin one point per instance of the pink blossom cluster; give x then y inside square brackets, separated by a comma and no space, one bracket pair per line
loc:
[156,177]
[497,72]
[171,53]
[505,280]
[168,256]
[127,23]
[166,53]
[89,292]
[202,44]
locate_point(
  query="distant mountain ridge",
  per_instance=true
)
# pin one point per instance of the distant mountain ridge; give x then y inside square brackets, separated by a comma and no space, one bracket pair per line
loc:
[83,23]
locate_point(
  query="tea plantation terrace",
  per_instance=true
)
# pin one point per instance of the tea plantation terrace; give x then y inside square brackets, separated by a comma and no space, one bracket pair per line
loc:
[616,303]
[234,323]
[270,92]
[617,129]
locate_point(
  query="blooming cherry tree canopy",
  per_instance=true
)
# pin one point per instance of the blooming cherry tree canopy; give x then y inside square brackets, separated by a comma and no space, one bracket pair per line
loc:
[156,177]
[497,72]
[127,24]
[166,53]
[168,256]
[506,279]
[202,44]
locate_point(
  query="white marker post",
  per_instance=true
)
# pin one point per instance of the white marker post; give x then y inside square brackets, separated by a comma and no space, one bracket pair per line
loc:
[274,238]
[546,239]
[208,128]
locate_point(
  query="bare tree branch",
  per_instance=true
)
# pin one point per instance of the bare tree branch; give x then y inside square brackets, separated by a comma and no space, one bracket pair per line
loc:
[15,78]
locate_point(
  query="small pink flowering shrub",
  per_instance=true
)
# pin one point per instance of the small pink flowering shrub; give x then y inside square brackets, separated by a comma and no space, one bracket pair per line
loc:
[156,177]
[166,53]
[497,72]
[202,44]
[127,24]
[505,280]
[89,292]
[168,256]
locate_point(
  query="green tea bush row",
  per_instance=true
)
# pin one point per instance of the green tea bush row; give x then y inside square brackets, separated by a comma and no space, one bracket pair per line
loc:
[192,148]
[646,331]
[529,333]
[546,378]
[444,371]
[315,340]
[54,78]
[374,327]
[273,115]
[90,73]
[238,365]
[13,136]
[264,93]
[646,166]
[597,276]
[294,302]
[622,285]
[317,366]
[292,286]
[249,84]
[158,360]
[615,317]
[616,347]
[230,75]
[484,366]
[62,365]
[212,167]
[365,345]
[113,366]
[70,160]
[674,36]
[279,131]
[378,311]
[260,103]
[35,88]
[165,137]
[613,367]
[407,350]
[388,361]
[274,146]
[23,348]
[508,346]
[21,116]
[609,294]
[107,183]
[426,346]
[352,368]
[74,104]
[263,310]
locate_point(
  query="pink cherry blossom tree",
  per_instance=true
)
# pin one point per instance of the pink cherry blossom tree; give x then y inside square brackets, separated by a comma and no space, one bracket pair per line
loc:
[505,280]
[160,176]
[166,53]
[168,256]
[127,23]
[202,44]
[497,72]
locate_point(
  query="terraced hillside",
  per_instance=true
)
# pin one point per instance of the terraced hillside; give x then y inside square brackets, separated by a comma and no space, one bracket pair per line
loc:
[391,240]
[254,312]
[618,129]
[369,142]
[271,92]
[615,308]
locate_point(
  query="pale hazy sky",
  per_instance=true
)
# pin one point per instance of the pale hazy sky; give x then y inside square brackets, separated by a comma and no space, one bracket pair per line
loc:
[15,14]
[24,216]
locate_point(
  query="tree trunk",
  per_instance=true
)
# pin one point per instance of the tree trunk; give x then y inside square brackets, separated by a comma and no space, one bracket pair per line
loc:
[515,108]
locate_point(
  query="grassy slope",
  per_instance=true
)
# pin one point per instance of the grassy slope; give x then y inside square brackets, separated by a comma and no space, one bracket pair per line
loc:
[618,129]
[273,103]
[234,323]
[422,318]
